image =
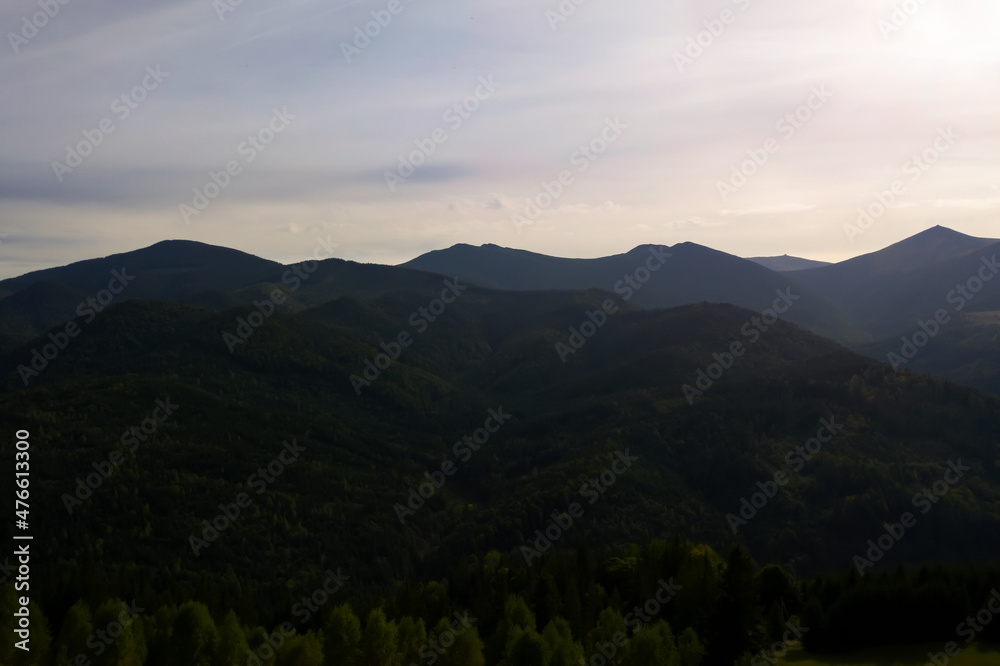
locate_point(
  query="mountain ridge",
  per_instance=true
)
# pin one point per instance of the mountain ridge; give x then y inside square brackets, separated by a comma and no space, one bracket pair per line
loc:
[865,303]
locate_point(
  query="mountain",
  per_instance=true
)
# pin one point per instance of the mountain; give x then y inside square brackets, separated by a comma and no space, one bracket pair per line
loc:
[187,272]
[868,303]
[786,263]
[176,270]
[895,294]
[167,271]
[965,350]
[691,274]
[438,429]
[885,292]
[367,443]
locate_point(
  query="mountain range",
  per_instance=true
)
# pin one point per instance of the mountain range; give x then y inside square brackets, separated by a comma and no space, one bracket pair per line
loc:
[868,303]
[871,303]
[450,415]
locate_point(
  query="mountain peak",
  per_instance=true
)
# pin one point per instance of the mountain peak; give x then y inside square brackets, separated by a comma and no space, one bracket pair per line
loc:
[787,263]
[933,245]
[939,231]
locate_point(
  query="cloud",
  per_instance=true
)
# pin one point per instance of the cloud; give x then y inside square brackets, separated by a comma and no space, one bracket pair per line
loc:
[685,132]
[695,222]
[774,209]
[975,204]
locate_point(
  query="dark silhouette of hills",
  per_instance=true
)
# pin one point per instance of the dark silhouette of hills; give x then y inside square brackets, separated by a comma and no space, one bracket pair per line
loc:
[867,303]
[622,388]
[786,263]
[170,270]
[887,291]
[693,274]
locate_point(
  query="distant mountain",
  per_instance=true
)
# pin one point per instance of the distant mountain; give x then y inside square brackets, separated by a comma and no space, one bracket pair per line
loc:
[175,270]
[167,271]
[786,263]
[180,271]
[692,274]
[868,303]
[885,292]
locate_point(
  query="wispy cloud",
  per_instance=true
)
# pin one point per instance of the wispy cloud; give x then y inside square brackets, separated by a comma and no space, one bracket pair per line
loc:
[695,222]
[354,120]
[774,209]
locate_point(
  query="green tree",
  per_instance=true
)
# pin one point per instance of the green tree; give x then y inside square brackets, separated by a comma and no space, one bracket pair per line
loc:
[700,575]
[76,628]
[652,646]
[231,646]
[342,638]
[516,616]
[40,641]
[412,636]
[379,640]
[195,637]
[690,648]
[561,649]
[737,617]
[608,633]
[301,650]
[527,648]
[156,630]
[547,602]
[121,639]
[467,650]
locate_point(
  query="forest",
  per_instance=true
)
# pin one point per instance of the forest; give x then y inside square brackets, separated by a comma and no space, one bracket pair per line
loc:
[676,604]
[318,474]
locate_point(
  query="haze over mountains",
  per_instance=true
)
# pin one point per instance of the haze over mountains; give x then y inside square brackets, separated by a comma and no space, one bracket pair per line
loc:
[691,274]
[890,289]
[867,303]
[879,292]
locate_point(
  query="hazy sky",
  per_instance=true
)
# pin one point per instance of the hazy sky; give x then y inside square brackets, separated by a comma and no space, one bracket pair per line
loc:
[673,128]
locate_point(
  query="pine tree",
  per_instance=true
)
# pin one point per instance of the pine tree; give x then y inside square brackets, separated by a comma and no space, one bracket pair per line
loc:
[737,617]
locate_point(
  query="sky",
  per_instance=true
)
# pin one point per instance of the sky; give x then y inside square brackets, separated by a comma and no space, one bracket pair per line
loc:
[756,127]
